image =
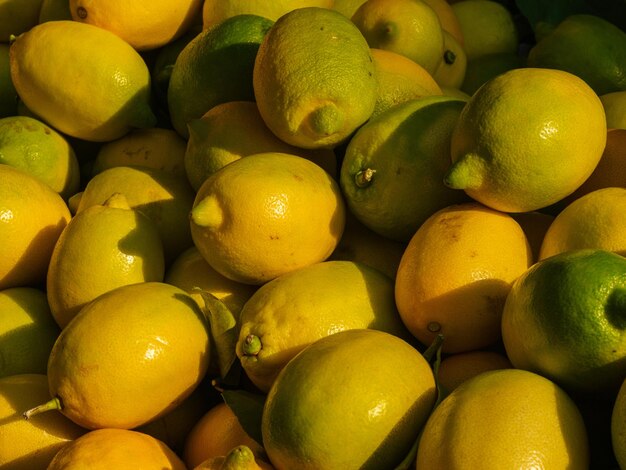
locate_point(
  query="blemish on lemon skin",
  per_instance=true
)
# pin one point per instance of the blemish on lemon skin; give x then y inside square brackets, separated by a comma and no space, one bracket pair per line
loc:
[433,327]
[81,12]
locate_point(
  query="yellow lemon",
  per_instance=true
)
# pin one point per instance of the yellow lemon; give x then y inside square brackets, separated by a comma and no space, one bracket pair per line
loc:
[8,95]
[214,435]
[487,27]
[563,319]
[129,357]
[447,18]
[362,245]
[27,445]
[294,310]
[455,369]
[27,331]
[595,220]
[216,11]
[456,273]
[54,10]
[400,79]
[618,430]
[143,25]
[17,17]
[505,419]
[32,146]
[615,109]
[190,270]
[265,215]
[482,69]
[407,27]
[347,7]
[451,70]
[103,247]
[235,129]
[116,448]
[343,403]
[314,79]
[238,458]
[32,217]
[156,147]
[588,46]
[393,168]
[215,67]
[526,139]
[110,92]
[162,196]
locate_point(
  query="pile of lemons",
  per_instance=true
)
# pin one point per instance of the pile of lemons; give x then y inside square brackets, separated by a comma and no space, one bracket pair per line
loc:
[311,234]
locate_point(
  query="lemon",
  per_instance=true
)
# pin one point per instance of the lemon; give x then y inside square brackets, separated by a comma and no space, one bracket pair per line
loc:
[314,80]
[487,27]
[265,215]
[190,270]
[129,357]
[564,319]
[362,245]
[451,70]
[456,273]
[32,146]
[482,69]
[294,310]
[214,435]
[17,17]
[505,419]
[156,147]
[32,217]
[110,92]
[162,196]
[526,139]
[54,10]
[587,46]
[144,26]
[216,11]
[103,247]
[535,225]
[595,220]
[455,369]
[408,27]
[238,458]
[235,129]
[375,413]
[347,7]
[28,445]
[399,80]
[116,448]
[8,95]
[618,433]
[614,104]
[27,332]
[216,66]
[392,172]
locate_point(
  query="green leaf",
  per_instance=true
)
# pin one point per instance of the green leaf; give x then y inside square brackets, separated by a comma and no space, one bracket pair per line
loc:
[248,408]
[224,333]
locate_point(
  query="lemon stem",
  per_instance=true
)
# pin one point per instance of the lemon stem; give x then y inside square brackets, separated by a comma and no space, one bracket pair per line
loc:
[433,348]
[364,178]
[449,57]
[53,404]
[252,345]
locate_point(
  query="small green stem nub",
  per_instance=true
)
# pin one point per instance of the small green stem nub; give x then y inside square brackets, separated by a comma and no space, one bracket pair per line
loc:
[53,404]
[252,345]
[364,178]
[449,57]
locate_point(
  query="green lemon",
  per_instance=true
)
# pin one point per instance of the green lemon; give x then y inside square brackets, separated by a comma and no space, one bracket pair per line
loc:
[615,108]
[484,68]
[34,147]
[587,46]
[565,318]
[354,399]
[392,172]
[215,67]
